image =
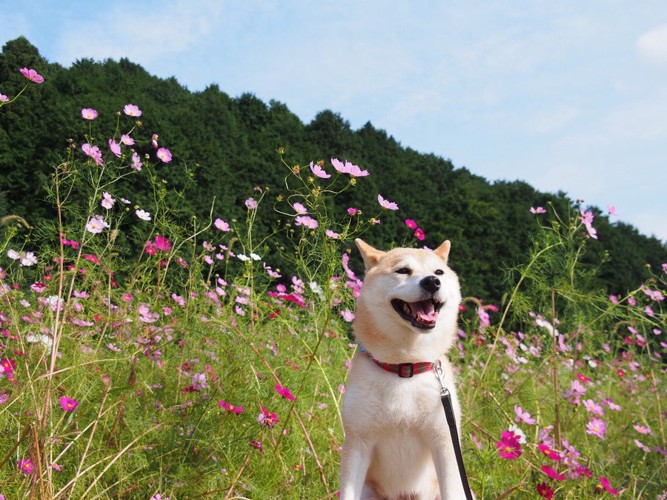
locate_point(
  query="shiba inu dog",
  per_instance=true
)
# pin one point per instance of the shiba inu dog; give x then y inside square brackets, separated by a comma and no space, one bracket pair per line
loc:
[397,442]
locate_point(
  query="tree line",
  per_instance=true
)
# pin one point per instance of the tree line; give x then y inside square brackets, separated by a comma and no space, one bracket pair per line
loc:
[229,145]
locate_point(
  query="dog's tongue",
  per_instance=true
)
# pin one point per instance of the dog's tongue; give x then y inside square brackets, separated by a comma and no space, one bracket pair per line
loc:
[424,310]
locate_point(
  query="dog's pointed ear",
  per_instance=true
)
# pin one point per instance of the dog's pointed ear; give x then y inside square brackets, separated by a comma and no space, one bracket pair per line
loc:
[443,250]
[370,255]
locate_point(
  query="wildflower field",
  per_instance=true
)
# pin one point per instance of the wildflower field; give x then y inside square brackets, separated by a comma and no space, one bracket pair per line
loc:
[147,356]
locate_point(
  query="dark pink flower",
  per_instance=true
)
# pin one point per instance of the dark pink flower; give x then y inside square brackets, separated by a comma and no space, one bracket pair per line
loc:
[230,408]
[26,466]
[552,454]
[552,473]
[411,224]
[544,490]
[267,418]
[419,234]
[162,243]
[285,392]
[604,482]
[68,404]
[509,446]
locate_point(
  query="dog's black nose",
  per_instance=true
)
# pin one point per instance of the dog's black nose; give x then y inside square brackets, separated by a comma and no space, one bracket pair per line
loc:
[430,284]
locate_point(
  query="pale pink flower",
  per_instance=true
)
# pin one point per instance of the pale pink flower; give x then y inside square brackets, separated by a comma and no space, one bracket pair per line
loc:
[299,208]
[96,224]
[136,162]
[611,210]
[114,147]
[592,407]
[587,219]
[332,234]
[538,210]
[164,155]
[318,171]
[221,225]
[107,201]
[89,113]
[596,427]
[4,98]
[523,416]
[306,221]
[347,315]
[641,429]
[127,140]
[352,211]
[132,110]
[389,205]
[32,75]
[348,168]
[94,153]
[251,203]
[143,215]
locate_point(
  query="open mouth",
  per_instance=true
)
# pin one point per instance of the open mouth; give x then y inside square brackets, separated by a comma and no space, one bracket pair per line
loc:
[422,314]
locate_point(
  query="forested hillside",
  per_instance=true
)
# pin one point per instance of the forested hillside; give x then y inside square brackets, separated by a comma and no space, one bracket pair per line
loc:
[224,147]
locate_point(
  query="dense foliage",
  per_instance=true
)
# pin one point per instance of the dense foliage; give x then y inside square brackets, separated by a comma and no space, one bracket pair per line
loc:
[229,145]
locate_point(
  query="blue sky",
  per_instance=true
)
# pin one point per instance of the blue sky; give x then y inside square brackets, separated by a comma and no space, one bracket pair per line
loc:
[566,95]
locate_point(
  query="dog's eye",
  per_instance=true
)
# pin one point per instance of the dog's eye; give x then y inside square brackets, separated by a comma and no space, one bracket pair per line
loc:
[403,270]
[439,272]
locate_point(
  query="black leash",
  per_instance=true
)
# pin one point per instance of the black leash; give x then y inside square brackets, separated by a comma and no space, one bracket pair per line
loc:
[446,399]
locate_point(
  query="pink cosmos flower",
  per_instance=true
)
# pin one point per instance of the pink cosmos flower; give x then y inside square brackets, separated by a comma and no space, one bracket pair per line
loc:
[596,427]
[587,219]
[89,113]
[136,162]
[604,482]
[537,210]
[389,205]
[267,418]
[347,315]
[32,75]
[318,171]
[230,408]
[94,153]
[132,110]
[352,211]
[611,210]
[332,234]
[552,454]
[143,215]
[306,221]
[164,155]
[221,225]
[592,407]
[251,203]
[552,473]
[162,243]
[544,490]
[419,234]
[127,140]
[26,466]
[523,416]
[68,404]
[299,208]
[4,98]
[509,447]
[107,201]
[641,429]
[348,168]
[411,224]
[96,224]
[285,392]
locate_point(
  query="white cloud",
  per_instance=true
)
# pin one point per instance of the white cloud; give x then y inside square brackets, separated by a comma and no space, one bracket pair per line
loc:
[120,31]
[652,45]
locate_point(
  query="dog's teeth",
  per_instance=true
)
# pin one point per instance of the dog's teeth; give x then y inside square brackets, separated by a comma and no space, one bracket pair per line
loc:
[406,308]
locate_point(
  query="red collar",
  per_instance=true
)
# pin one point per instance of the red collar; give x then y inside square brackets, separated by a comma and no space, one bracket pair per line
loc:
[405,370]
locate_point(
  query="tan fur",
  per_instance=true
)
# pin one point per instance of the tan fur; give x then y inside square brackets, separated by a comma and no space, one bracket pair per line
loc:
[397,443]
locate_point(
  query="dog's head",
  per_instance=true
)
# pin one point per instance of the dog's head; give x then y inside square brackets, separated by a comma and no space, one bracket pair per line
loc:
[407,293]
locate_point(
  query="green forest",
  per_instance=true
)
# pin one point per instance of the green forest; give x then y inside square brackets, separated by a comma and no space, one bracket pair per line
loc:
[225,148]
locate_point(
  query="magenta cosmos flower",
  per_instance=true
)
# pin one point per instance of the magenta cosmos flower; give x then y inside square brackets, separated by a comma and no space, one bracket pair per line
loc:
[68,404]
[26,466]
[285,392]
[230,408]
[32,75]
[552,473]
[544,490]
[267,418]
[509,446]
